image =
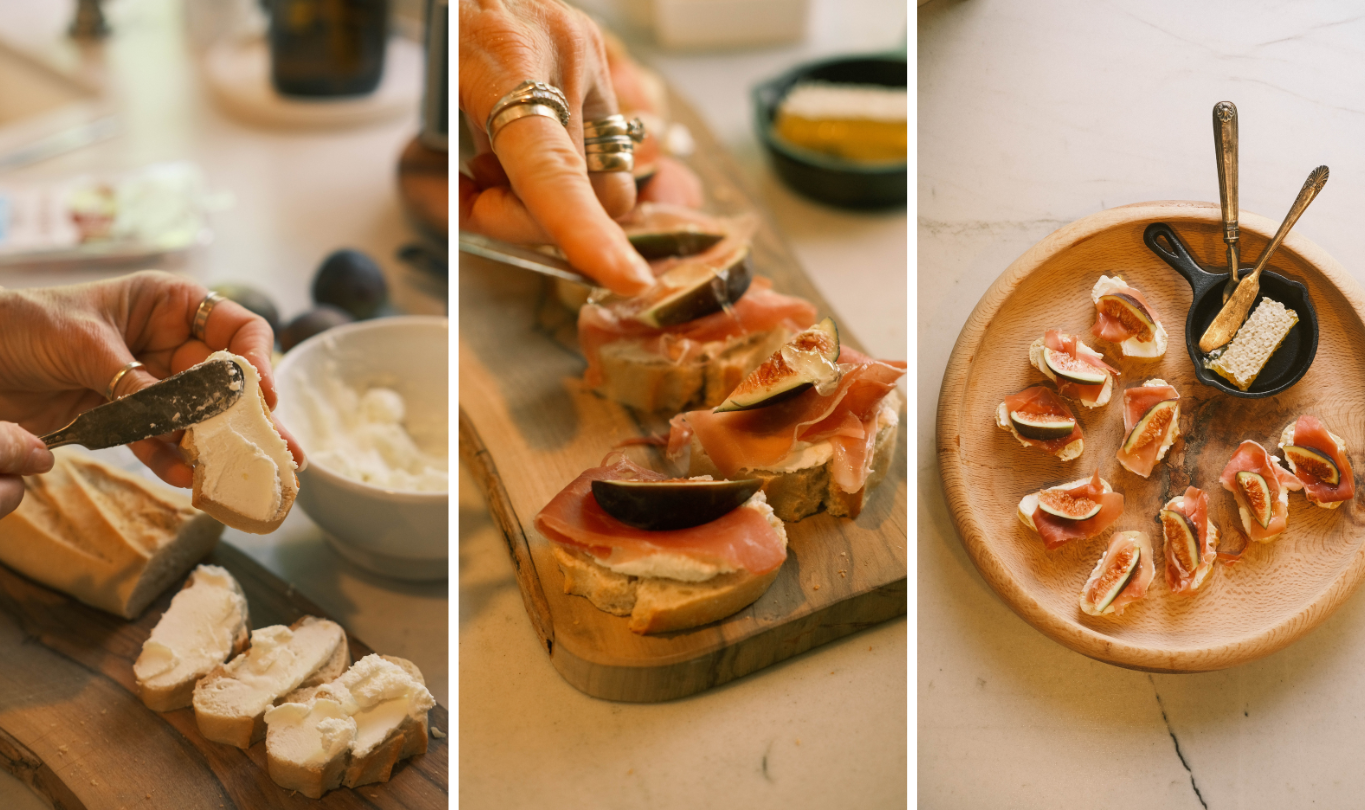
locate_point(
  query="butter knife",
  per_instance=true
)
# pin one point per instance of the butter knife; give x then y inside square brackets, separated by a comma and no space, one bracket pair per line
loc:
[1225,144]
[177,402]
[525,258]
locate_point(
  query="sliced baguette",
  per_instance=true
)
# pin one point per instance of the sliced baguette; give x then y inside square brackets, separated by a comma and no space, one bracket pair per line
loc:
[206,624]
[243,470]
[109,538]
[635,376]
[231,701]
[801,492]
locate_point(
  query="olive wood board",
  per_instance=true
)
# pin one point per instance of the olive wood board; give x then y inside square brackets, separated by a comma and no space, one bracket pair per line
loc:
[1278,591]
[73,728]
[528,426]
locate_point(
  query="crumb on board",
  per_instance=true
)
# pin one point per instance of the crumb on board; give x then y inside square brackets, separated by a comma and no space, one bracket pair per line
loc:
[437,733]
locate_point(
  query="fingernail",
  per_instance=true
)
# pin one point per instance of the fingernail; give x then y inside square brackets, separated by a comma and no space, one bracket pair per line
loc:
[303,465]
[641,273]
[39,461]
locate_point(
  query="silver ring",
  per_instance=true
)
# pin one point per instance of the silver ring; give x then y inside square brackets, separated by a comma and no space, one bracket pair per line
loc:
[612,126]
[112,387]
[611,162]
[528,93]
[511,114]
[609,144]
[201,316]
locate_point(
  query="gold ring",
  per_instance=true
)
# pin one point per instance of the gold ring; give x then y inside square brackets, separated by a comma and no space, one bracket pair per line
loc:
[201,316]
[112,387]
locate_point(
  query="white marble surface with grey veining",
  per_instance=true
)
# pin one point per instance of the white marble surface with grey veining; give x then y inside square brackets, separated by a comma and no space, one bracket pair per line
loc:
[1031,116]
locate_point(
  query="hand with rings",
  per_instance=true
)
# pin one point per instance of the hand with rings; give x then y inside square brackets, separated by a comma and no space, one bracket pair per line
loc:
[555,157]
[64,350]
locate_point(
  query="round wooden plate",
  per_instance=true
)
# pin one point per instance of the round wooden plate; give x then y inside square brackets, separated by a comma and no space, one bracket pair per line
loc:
[1279,590]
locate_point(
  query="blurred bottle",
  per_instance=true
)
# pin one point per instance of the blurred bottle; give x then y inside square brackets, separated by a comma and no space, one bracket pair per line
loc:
[327,47]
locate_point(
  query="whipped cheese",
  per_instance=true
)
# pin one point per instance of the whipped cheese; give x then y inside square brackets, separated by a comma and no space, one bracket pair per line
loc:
[309,734]
[279,660]
[366,436]
[196,633]
[243,459]
[377,695]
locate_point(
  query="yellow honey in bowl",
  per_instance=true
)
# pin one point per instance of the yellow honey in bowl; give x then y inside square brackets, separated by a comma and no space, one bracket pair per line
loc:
[858,122]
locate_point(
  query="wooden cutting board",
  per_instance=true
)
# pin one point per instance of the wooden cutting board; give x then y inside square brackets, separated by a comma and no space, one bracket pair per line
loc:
[1278,591]
[73,728]
[528,427]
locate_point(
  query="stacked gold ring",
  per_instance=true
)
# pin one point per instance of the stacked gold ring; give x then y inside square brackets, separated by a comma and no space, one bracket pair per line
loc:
[614,126]
[527,99]
[609,143]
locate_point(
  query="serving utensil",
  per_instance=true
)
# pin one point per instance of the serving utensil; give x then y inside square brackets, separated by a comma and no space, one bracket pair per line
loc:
[1229,320]
[1225,143]
[177,402]
[525,258]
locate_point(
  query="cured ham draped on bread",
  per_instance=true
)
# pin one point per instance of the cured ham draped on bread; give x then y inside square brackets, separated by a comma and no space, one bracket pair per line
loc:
[1253,458]
[1078,497]
[1186,571]
[1123,316]
[1323,457]
[764,438]
[1067,361]
[1126,567]
[1149,431]
[1039,411]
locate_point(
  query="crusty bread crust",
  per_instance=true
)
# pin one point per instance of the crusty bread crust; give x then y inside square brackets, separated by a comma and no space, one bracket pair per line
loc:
[655,384]
[800,493]
[654,604]
[289,490]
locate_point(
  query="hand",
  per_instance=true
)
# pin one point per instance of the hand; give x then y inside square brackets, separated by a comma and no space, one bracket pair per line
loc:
[21,453]
[62,345]
[537,188]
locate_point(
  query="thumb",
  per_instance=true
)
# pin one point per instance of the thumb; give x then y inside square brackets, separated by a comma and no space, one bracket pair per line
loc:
[22,453]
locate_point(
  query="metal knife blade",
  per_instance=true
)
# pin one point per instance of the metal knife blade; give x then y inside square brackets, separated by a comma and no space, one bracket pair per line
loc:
[525,258]
[175,403]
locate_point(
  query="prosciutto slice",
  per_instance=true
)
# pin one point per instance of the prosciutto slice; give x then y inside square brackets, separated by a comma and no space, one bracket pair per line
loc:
[1114,330]
[1252,457]
[762,438]
[1038,401]
[739,540]
[758,310]
[1310,432]
[1194,504]
[1137,583]
[1057,531]
[1137,401]
[1059,341]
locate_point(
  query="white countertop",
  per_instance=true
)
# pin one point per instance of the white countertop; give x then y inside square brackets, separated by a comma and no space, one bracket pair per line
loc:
[825,729]
[299,194]
[1030,117]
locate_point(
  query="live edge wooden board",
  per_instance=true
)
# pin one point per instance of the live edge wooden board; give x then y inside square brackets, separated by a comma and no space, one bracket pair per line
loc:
[1278,591]
[528,427]
[73,728]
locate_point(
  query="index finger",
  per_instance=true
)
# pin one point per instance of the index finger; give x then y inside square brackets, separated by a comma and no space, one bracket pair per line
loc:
[550,178]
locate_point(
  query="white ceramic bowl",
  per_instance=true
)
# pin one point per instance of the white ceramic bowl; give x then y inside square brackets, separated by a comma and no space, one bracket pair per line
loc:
[397,533]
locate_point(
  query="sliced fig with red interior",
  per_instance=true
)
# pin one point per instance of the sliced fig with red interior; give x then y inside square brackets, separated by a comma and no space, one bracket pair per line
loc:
[1257,493]
[1072,369]
[678,503]
[1314,462]
[807,360]
[1130,312]
[1042,427]
[1181,537]
[1062,504]
[694,289]
[1113,579]
[1152,426]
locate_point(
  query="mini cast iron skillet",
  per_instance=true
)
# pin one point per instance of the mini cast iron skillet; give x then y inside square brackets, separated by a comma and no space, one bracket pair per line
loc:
[1289,362]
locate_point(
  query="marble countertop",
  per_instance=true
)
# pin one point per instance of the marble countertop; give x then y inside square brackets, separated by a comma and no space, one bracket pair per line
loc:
[825,729]
[292,206]
[1030,117]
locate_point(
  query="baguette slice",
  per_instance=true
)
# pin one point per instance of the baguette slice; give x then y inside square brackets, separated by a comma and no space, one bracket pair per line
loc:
[243,470]
[659,604]
[231,701]
[350,731]
[635,376]
[800,491]
[205,625]
[109,538]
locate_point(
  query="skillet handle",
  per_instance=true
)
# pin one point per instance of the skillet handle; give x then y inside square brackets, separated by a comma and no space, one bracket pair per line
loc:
[1162,240]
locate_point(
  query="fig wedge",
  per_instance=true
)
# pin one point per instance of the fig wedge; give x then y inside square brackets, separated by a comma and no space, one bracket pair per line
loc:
[1257,493]
[695,289]
[1070,369]
[1059,503]
[678,503]
[1111,582]
[1042,428]
[677,242]
[1314,462]
[1128,311]
[1153,425]
[1182,537]
[807,360]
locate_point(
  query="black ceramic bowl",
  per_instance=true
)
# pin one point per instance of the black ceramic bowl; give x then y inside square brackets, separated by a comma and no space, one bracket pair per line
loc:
[1289,362]
[828,179]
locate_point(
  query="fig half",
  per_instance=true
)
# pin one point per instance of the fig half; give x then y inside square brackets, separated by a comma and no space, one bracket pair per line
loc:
[1314,462]
[678,503]
[1182,537]
[1114,578]
[1257,492]
[1152,426]
[1126,310]
[695,289]
[809,359]
[676,242]
[1071,369]
[1043,428]
[1062,504]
